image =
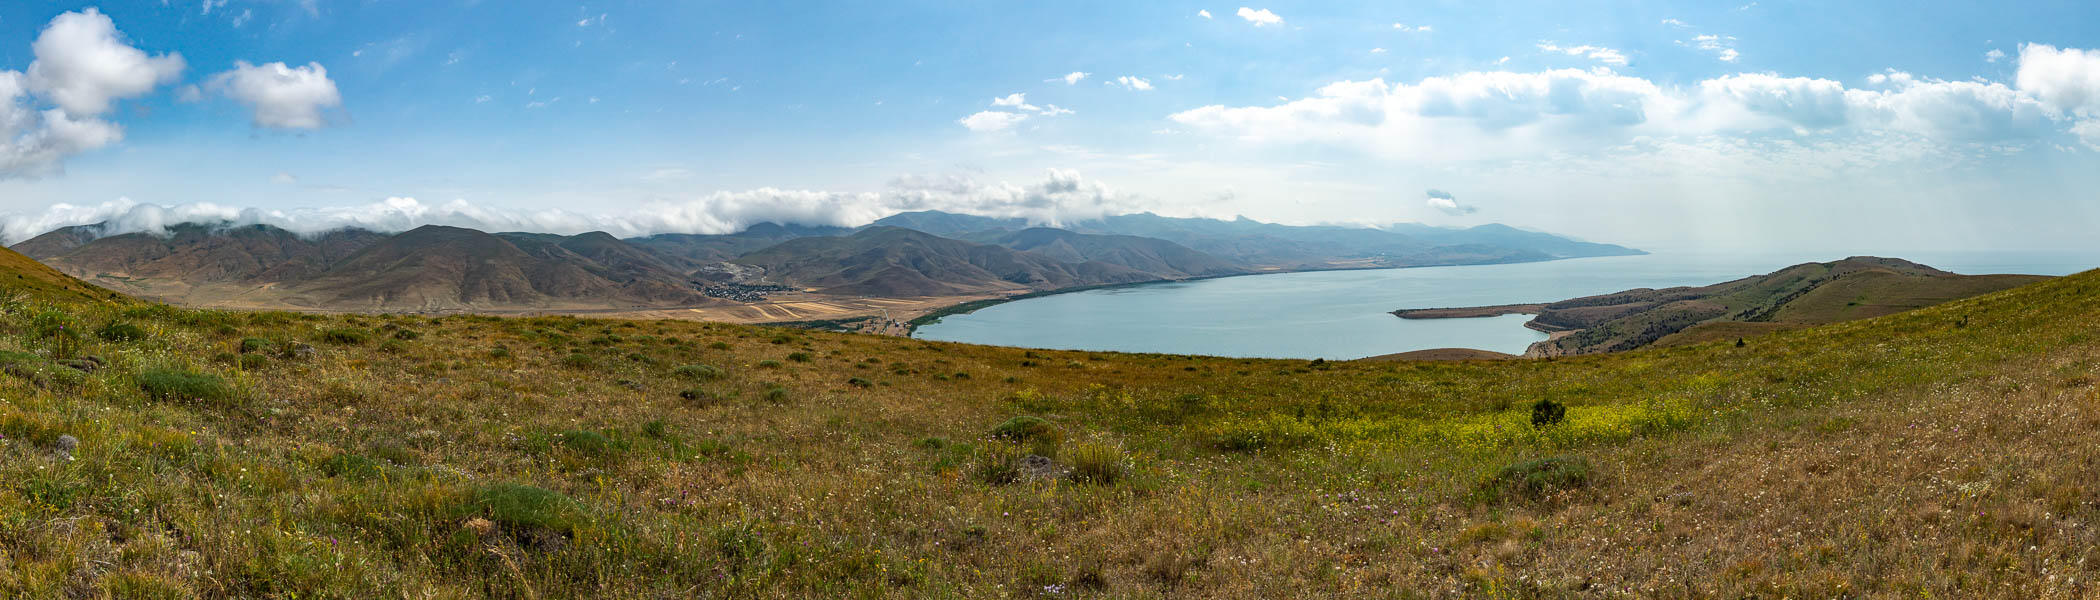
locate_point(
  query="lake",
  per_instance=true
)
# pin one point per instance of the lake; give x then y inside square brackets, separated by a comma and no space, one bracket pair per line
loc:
[1340,315]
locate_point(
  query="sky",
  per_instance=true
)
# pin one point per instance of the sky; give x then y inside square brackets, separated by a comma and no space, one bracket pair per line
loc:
[1813,125]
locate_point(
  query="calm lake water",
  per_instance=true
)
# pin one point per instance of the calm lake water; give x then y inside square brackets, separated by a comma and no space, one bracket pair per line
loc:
[1345,314]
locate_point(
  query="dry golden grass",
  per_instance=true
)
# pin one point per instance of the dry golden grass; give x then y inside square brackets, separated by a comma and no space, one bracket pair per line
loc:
[1945,452]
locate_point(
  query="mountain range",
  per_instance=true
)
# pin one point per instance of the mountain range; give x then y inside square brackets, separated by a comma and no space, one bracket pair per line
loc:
[909,255]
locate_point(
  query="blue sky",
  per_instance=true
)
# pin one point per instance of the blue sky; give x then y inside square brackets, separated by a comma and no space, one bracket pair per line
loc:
[1820,125]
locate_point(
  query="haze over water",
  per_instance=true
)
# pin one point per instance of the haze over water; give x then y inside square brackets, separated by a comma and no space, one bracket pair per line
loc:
[1341,315]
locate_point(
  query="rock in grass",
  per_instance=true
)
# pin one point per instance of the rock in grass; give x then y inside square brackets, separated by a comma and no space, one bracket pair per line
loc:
[65,446]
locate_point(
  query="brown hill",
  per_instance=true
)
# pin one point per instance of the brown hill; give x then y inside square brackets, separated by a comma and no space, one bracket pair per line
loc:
[438,267]
[1155,256]
[897,262]
[1807,294]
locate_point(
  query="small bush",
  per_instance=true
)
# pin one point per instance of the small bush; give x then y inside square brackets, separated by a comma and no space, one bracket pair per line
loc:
[997,468]
[523,506]
[657,429]
[120,332]
[499,352]
[719,345]
[254,345]
[931,443]
[798,356]
[1094,462]
[590,443]
[769,364]
[697,396]
[1536,479]
[406,335]
[699,372]
[345,337]
[860,382]
[775,393]
[174,385]
[1024,428]
[578,360]
[1546,413]
[351,466]
[250,362]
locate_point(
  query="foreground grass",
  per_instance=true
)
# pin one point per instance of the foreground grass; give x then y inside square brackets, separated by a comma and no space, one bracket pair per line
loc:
[1943,452]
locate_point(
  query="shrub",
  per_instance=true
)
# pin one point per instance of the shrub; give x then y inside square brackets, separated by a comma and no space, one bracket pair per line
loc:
[1535,479]
[1024,428]
[997,468]
[525,507]
[775,393]
[175,385]
[699,372]
[1546,412]
[254,345]
[860,382]
[1094,462]
[58,329]
[589,443]
[345,337]
[351,466]
[697,395]
[719,345]
[499,352]
[798,356]
[657,429]
[931,443]
[120,332]
[769,364]
[253,361]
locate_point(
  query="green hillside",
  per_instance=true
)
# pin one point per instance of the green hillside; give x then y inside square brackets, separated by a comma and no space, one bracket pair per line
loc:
[1942,452]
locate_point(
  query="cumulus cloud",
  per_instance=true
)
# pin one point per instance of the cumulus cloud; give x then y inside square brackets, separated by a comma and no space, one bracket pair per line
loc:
[280,96]
[83,64]
[1014,100]
[1504,115]
[1412,29]
[1597,53]
[83,67]
[1071,78]
[1994,55]
[1062,196]
[1260,18]
[1445,203]
[1722,47]
[992,120]
[1132,83]
[1203,13]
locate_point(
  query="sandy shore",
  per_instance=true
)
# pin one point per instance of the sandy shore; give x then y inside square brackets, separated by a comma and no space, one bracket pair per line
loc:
[1469,312]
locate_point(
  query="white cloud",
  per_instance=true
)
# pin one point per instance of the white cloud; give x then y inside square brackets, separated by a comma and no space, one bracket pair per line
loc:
[2066,80]
[1597,53]
[1055,110]
[991,120]
[1069,78]
[1411,29]
[1994,55]
[1062,196]
[1132,83]
[1259,18]
[281,97]
[1175,77]
[1445,203]
[1723,47]
[1378,51]
[211,4]
[83,65]
[1014,100]
[1675,23]
[1505,115]
[1203,13]
[243,18]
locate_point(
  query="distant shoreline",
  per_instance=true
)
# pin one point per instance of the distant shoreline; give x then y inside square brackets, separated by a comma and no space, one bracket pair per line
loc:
[932,317]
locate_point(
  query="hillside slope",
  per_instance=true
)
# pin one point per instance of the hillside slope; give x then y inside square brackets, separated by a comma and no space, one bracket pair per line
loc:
[1157,257]
[1942,452]
[897,262]
[1808,294]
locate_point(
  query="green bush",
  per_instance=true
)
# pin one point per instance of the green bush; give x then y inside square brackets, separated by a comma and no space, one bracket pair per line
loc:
[351,466]
[1536,479]
[719,345]
[798,356]
[176,385]
[526,507]
[699,372]
[1094,462]
[589,443]
[1024,428]
[345,337]
[406,335]
[120,332]
[775,393]
[769,364]
[1546,413]
[251,362]
[254,345]
[860,382]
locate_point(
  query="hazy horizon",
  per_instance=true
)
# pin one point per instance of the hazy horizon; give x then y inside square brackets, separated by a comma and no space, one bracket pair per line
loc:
[1651,125]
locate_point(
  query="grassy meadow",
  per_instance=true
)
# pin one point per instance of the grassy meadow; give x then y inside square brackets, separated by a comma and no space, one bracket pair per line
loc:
[1945,452]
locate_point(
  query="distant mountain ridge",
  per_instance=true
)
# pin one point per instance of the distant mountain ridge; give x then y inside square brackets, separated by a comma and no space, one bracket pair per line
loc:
[918,254]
